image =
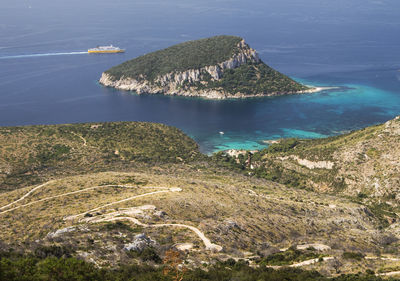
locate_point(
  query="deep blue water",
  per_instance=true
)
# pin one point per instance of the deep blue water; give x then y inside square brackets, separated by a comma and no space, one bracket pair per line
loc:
[352,44]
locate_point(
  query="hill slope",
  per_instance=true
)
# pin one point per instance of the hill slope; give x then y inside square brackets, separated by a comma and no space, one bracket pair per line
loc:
[97,200]
[363,165]
[33,154]
[217,67]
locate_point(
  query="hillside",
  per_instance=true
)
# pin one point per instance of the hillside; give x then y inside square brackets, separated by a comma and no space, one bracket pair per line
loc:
[217,67]
[129,193]
[97,216]
[363,165]
[32,154]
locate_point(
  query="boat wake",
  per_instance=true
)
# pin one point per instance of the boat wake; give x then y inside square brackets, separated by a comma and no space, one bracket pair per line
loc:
[43,55]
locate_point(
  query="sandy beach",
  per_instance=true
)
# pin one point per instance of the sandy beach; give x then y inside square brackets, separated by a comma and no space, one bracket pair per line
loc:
[314,89]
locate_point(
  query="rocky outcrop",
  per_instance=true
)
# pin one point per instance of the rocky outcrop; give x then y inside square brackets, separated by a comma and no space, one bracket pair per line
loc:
[392,127]
[310,164]
[60,232]
[315,164]
[181,83]
[140,242]
[245,55]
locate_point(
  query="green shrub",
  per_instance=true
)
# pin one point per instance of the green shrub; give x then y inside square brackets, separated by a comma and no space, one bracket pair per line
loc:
[353,256]
[283,146]
[71,269]
[254,78]
[290,256]
[52,251]
[149,254]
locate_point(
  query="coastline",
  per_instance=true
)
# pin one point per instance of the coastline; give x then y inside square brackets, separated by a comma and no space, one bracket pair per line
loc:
[316,89]
[145,87]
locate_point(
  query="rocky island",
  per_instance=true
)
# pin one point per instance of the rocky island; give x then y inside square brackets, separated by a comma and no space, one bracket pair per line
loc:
[216,68]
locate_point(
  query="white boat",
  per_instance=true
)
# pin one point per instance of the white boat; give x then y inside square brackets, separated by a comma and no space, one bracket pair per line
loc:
[105,49]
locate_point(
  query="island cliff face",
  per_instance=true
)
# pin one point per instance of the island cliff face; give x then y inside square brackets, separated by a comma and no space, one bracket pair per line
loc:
[209,81]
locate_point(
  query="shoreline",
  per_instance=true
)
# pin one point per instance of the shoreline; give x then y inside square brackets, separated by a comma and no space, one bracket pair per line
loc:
[212,94]
[316,89]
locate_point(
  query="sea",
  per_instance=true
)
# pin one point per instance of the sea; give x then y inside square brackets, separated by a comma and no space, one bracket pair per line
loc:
[46,76]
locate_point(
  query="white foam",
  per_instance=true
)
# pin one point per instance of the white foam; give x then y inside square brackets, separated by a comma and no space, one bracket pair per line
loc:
[42,55]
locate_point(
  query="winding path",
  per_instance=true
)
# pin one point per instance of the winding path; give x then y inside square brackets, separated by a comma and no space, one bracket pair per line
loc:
[110,217]
[25,195]
[116,216]
[389,273]
[120,215]
[303,263]
[382,258]
[308,262]
[209,246]
[49,198]
[82,138]
[70,193]
[126,199]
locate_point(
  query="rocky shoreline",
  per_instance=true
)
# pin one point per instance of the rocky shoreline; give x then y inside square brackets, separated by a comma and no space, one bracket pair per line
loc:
[145,87]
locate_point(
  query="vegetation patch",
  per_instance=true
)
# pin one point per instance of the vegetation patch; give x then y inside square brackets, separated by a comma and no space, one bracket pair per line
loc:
[119,225]
[389,268]
[353,256]
[188,55]
[290,256]
[72,269]
[147,254]
[373,153]
[32,152]
[384,212]
[253,79]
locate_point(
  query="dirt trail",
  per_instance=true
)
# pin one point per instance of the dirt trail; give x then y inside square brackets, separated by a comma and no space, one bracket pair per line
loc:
[124,200]
[382,258]
[316,246]
[25,195]
[392,273]
[82,138]
[206,241]
[64,194]
[299,264]
[121,215]
[209,246]
[388,273]
[51,197]
[308,262]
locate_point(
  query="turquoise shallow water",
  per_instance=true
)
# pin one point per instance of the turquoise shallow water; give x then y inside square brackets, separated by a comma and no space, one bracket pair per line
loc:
[331,112]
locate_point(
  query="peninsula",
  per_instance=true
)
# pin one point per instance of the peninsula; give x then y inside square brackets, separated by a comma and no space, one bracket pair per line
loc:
[215,68]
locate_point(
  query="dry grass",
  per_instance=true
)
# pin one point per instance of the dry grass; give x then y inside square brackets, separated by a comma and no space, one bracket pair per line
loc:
[240,213]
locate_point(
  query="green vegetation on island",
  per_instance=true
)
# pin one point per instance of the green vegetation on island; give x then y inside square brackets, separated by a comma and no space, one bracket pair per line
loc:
[252,79]
[188,55]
